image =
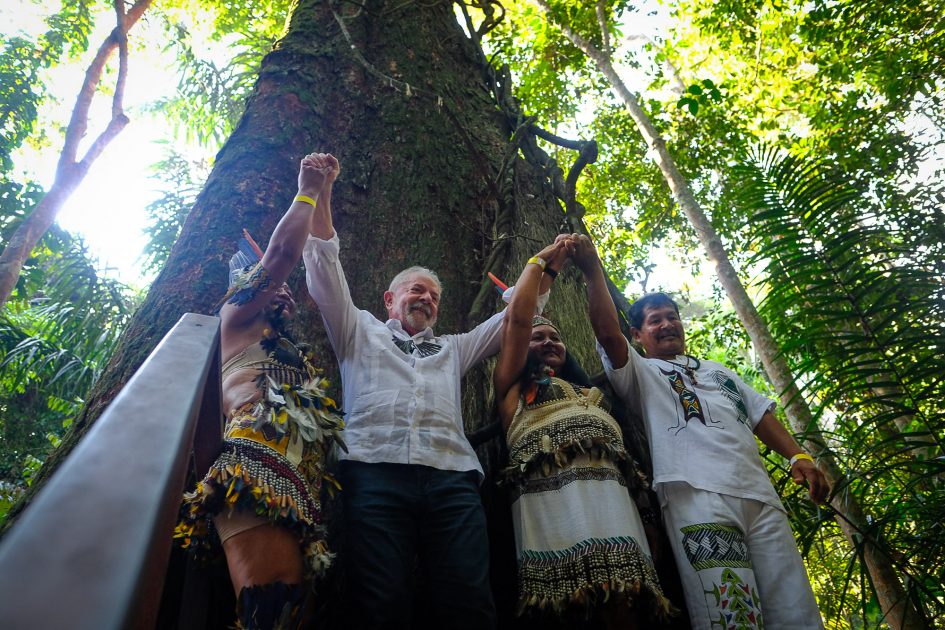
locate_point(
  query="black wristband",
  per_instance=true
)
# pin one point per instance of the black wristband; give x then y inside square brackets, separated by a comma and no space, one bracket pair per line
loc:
[551,272]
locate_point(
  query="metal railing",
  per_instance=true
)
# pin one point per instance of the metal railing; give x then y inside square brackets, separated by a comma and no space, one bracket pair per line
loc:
[91,550]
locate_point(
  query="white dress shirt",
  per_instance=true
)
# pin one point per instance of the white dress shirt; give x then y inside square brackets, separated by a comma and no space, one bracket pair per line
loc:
[400,407]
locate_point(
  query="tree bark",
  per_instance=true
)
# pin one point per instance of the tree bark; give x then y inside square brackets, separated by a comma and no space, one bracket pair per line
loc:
[70,171]
[898,608]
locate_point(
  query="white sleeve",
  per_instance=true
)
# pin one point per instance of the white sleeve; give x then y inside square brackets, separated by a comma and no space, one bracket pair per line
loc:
[480,343]
[327,286]
[484,340]
[539,305]
[755,403]
[626,380]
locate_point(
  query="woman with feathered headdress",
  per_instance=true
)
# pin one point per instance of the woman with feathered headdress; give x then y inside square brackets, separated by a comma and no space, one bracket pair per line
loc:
[260,498]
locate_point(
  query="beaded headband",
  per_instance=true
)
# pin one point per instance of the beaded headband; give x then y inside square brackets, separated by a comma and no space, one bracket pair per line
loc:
[538,320]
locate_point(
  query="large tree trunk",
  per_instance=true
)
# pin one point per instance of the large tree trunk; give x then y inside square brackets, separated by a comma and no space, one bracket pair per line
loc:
[898,609]
[395,91]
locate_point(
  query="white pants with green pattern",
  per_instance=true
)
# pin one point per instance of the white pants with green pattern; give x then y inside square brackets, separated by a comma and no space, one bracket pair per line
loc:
[738,561]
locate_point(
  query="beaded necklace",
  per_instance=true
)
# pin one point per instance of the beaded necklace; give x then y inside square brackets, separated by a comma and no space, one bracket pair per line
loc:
[690,370]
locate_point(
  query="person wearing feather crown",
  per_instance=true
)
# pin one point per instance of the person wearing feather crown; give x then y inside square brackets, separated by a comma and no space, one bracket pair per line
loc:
[260,498]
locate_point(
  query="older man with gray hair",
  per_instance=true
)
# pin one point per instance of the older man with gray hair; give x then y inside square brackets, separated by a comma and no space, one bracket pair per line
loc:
[410,478]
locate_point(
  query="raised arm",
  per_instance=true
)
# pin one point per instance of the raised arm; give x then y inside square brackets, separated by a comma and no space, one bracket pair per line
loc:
[517,326]
[603,313]
[485,340]
[320,225]
[285,245]
[324,275]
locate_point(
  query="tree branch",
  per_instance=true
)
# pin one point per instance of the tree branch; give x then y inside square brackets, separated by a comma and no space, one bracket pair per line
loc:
[70,172]
[122,36]
[586,47]
[577,145]
[602,22]
[588,155]
[513,149]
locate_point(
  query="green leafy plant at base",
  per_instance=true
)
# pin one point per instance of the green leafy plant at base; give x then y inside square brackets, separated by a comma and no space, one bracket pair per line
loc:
[54,342]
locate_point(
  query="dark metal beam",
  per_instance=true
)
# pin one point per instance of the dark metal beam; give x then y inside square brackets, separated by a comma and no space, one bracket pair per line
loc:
[91,551]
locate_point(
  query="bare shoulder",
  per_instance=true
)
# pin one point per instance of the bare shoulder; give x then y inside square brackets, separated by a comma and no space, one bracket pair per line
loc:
[235,336]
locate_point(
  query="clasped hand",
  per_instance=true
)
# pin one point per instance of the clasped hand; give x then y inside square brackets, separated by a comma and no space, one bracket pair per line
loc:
[318,170]
[577,247]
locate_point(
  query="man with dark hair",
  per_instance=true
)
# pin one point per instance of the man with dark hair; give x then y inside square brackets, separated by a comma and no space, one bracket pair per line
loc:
[732,541]
[649,300]
[410,478]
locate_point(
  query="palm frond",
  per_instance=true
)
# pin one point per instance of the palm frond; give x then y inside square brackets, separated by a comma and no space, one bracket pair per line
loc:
[859,312]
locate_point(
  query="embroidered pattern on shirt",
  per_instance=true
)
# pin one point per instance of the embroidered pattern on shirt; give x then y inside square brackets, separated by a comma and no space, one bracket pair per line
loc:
[692,406]
[424,348]
[730,391]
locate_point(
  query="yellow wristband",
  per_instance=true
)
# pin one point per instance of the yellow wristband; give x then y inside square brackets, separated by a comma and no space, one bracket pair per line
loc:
[305,199]
[538,261]
[798,457]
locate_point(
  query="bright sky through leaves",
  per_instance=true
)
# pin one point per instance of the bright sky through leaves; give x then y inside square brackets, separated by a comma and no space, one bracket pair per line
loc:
[108,208]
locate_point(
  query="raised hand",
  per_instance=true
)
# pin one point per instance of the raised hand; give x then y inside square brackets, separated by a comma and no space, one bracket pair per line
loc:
[555,254]
[313,174]
[585,254]
[334,168]
[564,249]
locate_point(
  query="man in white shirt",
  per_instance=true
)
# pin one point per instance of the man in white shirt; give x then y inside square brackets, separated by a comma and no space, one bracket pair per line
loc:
[410,479]
[736,555]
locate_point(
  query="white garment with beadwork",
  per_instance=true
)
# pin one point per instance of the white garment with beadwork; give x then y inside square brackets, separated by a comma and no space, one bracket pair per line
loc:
[577,531]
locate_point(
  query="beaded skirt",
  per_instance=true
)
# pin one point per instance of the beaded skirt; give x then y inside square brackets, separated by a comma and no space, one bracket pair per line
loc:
[268,467]
[578,533]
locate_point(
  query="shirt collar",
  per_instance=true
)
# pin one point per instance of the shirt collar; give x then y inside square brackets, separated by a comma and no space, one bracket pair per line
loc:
[397,327]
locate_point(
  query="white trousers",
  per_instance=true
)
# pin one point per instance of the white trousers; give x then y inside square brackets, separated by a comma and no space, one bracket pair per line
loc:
[738,561]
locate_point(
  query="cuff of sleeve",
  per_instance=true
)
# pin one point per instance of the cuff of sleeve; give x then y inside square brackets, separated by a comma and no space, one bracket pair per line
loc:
[772,407]
[539,305]
[624,373]
[327,250]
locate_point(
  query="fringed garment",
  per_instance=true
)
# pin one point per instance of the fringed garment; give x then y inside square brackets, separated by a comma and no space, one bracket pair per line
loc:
[578,534]
[272,461]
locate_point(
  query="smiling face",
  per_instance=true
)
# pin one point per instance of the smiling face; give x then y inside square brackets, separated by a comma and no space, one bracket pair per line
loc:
[414,302]
[661,333]
[546,346]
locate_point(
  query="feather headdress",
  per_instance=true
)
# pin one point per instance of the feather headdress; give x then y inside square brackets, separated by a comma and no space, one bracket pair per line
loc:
[248,254]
